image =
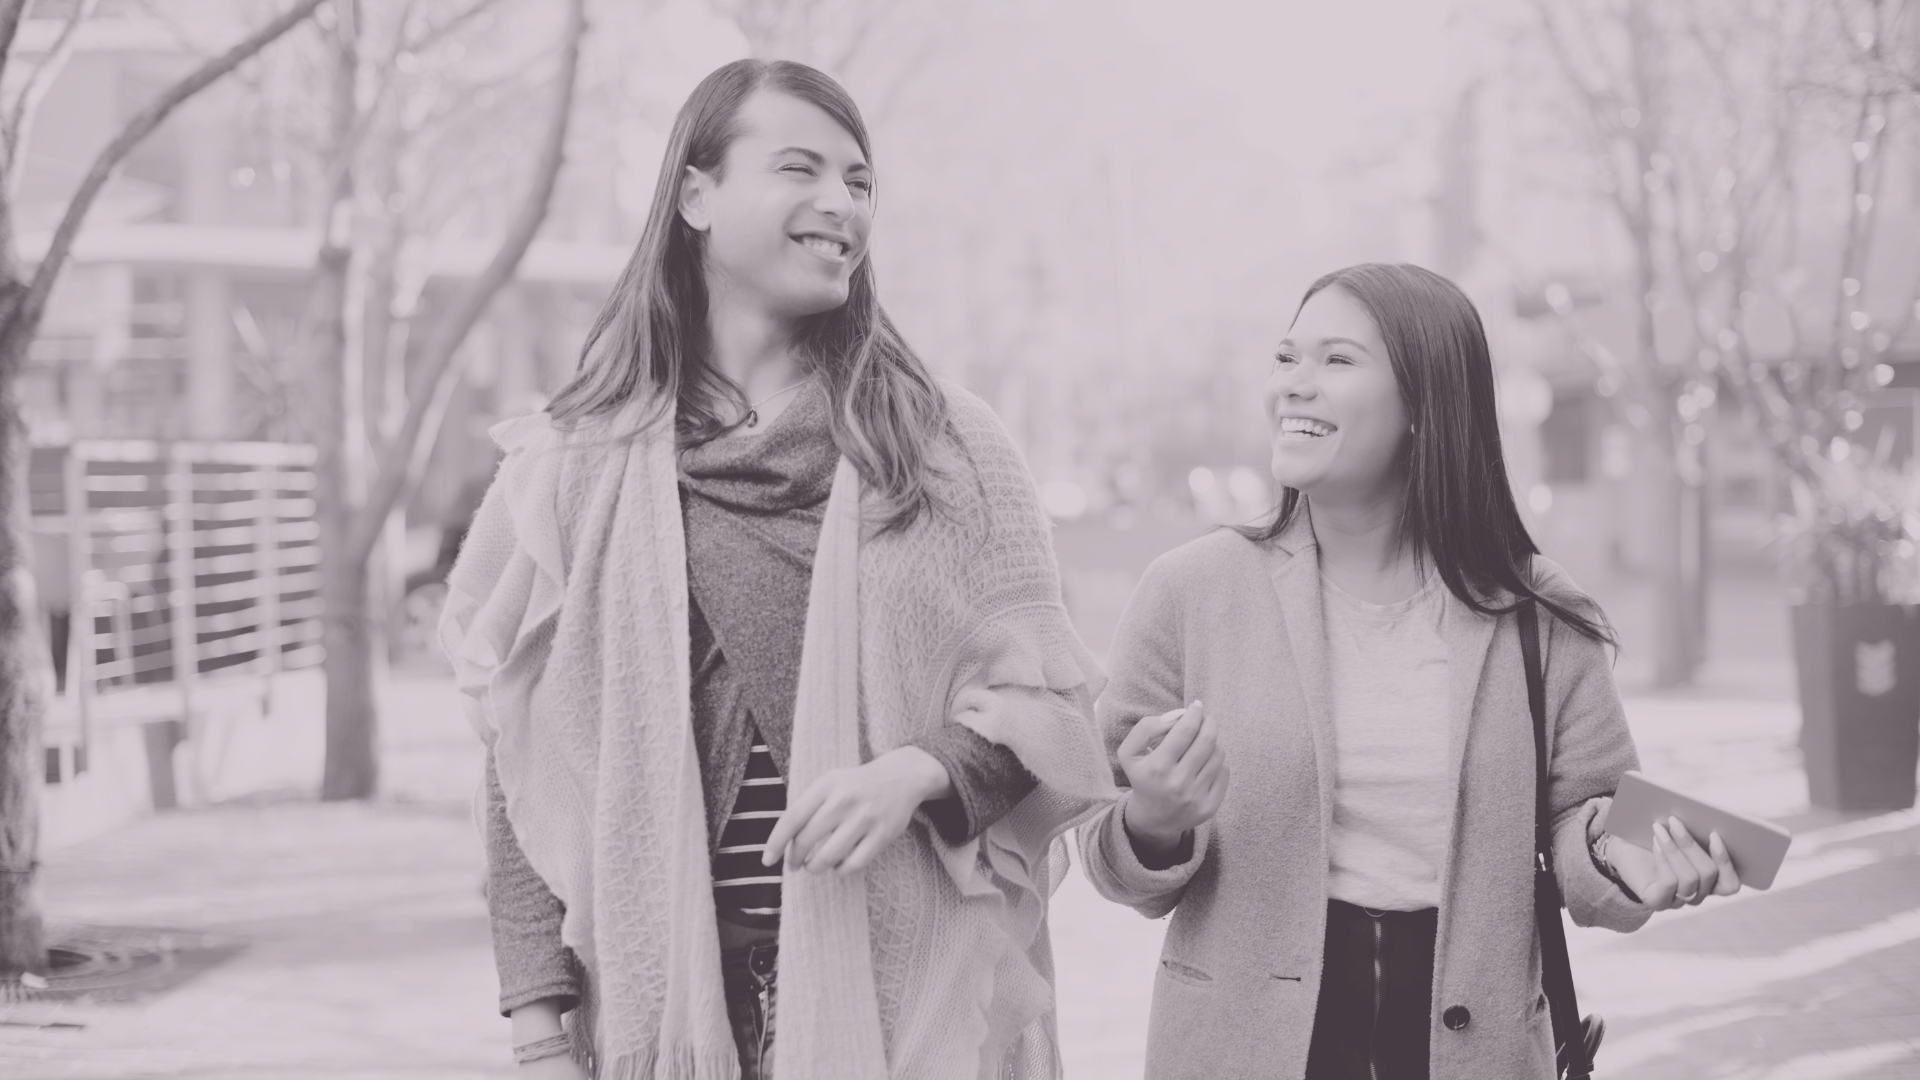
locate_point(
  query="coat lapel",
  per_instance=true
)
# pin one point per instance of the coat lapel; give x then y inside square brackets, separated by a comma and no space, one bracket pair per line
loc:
[1295,572]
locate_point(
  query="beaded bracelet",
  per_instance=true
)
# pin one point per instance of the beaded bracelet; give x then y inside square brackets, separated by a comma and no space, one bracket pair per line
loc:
[1597,851]
[540,1049]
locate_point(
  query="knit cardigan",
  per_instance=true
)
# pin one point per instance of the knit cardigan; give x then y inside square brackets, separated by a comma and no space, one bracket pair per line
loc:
[1238,624]
[567,610]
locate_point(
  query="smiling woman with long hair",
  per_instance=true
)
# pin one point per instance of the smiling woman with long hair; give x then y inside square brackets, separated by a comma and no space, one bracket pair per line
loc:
[1361,905]
[761,625]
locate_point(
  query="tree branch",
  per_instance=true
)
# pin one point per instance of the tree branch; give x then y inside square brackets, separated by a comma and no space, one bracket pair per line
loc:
[413,443]
[1859,224]
[26,318]
[440,31]
[10,12]
[1592,95]
[385,74]
[865,20]
[24,106]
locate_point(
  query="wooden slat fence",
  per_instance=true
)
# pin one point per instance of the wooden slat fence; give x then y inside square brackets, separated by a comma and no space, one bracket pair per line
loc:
[186,562]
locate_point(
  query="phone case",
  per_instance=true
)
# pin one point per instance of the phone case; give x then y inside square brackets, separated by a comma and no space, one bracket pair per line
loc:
[1756,847]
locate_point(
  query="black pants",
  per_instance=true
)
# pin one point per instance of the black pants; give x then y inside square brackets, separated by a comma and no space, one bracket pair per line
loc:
[748,959]
[1376,995]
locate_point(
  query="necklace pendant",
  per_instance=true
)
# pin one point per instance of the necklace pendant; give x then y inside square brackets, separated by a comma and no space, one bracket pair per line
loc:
[753,418]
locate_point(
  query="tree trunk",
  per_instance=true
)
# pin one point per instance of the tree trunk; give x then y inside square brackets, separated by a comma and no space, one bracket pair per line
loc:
[352,768]
[357,508]
[352,636]
[23,945]
[1700,552]
[1673,647]
[23,655]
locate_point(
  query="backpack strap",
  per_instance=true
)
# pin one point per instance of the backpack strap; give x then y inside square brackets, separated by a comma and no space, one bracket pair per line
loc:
[1556,976]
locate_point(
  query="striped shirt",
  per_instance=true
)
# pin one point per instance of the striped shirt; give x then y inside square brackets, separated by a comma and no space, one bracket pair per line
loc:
[744,891]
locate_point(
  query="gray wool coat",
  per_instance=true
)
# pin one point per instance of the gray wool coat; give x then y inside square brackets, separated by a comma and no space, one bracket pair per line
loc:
[1237,624]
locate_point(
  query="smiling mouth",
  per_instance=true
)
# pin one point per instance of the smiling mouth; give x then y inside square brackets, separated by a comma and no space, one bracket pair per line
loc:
[1300,425]
[824,247]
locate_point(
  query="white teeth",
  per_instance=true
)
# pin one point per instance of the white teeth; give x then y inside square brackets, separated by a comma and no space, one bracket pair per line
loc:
[1300,425]
[824,246]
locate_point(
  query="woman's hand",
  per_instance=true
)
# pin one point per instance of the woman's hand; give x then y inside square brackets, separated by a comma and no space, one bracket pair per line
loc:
[1678,871]
[844,819]
[1177,784]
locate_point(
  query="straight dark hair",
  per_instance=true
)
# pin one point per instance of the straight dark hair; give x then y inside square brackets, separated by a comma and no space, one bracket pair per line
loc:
[1459,509]
[651,336]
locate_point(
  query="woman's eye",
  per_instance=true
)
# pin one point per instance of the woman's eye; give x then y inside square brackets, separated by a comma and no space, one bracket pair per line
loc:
[1283,359]
[805,170]
[1337,358]
[864,187]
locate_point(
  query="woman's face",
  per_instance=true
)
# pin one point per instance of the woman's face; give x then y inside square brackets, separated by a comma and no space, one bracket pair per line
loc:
[1333,404]
[788,217]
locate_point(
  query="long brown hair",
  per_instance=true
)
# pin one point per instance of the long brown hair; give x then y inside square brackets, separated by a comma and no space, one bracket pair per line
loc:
[651,336]
[1459,510]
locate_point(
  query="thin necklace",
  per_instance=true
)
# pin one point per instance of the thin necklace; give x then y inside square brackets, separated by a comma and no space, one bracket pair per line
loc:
[753,410]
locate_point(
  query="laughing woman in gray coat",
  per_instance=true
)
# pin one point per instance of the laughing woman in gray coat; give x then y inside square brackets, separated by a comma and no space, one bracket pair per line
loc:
[1361,904]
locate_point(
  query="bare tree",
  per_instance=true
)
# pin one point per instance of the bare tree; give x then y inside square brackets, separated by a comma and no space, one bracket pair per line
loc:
[23,302]
[377,432]
[883,45]
[1723,137]
[1614,59]
[825,33]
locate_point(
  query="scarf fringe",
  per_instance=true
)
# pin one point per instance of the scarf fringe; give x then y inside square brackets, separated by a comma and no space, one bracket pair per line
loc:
[679,1063]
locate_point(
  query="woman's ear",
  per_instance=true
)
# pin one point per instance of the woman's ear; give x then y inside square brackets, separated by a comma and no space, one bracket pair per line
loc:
[696,195]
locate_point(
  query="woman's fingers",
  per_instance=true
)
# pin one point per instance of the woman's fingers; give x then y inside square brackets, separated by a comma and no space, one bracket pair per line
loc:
[1666,884]
[1146,731]
[1729,878]
[1171,782]
[1706,873]
[797,816]
[868,850]
[825,819]
[1204,776]
[836,847]
[1674,864]
[1185,730]
[1216,792]
[1203,749]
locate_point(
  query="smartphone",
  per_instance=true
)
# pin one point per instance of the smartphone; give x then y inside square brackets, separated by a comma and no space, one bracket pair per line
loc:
[1756,847]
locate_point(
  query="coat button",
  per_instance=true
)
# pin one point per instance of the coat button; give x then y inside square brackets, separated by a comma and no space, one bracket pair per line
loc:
[1456,1017]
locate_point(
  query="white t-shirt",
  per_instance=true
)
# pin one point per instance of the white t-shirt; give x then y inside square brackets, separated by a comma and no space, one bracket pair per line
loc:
[1387,667]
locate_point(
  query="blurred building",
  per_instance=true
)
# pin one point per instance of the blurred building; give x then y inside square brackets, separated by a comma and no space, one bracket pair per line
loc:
[1551,273]
[170,389]
[180,314]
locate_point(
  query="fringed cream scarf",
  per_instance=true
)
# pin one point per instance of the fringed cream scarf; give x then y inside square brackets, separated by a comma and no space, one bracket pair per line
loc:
[566,622]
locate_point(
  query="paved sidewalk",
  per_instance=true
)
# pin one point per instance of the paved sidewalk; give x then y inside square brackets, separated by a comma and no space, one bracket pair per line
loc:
[365,951]
[1816,979]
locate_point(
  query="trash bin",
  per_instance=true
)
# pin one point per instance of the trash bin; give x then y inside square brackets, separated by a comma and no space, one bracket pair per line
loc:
[1859,669]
